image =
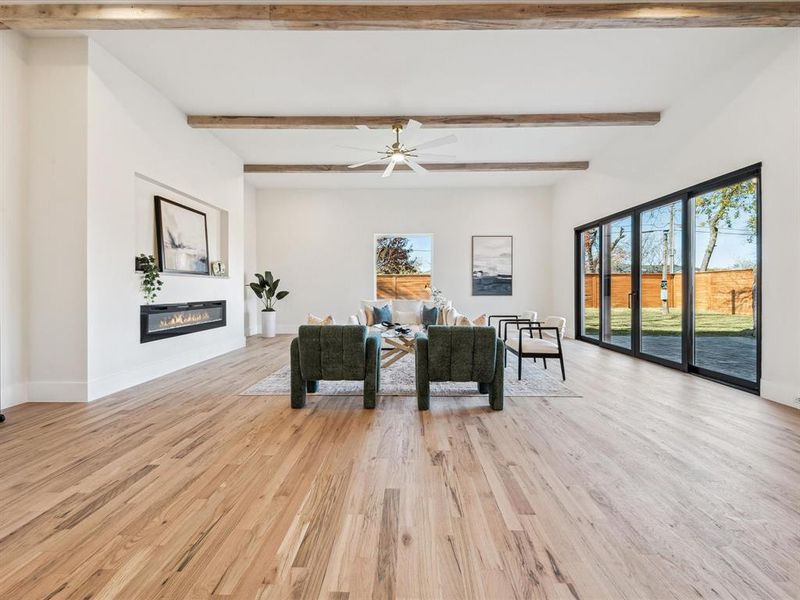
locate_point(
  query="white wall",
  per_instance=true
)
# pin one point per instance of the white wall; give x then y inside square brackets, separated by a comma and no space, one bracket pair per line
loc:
[139,145]
[251,306]
[321,244]
[56,220]
[13,186]
[746,114]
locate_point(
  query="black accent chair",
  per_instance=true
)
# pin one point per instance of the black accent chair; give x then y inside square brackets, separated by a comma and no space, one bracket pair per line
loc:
[504,321]
[538,347]
[335,353]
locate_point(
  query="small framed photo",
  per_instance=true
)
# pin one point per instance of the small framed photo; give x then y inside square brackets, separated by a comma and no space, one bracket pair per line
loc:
[218,268]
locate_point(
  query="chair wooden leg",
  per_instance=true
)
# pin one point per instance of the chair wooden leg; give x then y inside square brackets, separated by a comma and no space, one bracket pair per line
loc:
[563,373]
[544,360]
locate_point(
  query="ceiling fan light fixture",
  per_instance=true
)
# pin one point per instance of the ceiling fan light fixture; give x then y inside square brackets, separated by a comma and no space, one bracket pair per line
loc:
[398,157]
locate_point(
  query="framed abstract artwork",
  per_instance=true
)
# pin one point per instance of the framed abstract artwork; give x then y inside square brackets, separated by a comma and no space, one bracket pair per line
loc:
[492,265]
[182,238]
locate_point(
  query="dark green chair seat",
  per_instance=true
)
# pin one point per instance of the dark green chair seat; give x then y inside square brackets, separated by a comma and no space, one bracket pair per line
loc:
[460,354]
[335,353]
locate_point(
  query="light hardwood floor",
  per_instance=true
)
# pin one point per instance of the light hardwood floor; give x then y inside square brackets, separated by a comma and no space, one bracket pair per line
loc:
[653,485]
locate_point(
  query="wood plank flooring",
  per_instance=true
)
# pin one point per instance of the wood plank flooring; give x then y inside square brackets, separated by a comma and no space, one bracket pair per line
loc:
[653,485]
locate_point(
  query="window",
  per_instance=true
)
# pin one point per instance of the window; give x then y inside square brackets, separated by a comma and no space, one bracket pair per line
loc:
[679,280]
[403,265]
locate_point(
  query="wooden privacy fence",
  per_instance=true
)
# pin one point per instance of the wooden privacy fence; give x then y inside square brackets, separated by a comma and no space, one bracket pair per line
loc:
[723,292]
[403,286]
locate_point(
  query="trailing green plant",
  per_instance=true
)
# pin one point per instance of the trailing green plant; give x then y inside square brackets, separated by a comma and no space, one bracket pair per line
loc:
[266,289]
[151,278]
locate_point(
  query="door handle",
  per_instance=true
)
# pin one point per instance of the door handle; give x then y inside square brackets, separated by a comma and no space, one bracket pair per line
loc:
[629,298]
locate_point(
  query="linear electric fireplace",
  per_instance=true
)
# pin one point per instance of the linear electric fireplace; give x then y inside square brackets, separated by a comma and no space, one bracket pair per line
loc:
[159,321]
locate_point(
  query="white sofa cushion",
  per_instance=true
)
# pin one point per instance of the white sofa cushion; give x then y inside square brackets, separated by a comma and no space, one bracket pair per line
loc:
[451,316]
[407,312]
[533,345]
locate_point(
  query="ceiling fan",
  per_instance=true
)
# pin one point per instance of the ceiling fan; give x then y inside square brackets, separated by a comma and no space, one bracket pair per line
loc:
[408,154]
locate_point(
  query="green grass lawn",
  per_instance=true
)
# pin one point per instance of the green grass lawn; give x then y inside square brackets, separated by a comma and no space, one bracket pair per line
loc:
[654,322]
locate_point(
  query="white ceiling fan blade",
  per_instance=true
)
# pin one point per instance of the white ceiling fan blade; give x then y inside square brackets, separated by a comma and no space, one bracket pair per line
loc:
[412,127]
[442,141]
[431,155]
[389,168]
[369,162]
[416,167]
[357,148]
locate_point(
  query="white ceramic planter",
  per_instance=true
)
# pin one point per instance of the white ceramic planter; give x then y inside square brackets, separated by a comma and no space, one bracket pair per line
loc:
[268,323]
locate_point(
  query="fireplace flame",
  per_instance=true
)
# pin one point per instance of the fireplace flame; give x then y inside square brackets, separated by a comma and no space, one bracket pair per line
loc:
[184,318]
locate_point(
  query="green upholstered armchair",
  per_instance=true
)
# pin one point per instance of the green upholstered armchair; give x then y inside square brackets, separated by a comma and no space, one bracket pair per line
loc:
[460,354]
[335,353]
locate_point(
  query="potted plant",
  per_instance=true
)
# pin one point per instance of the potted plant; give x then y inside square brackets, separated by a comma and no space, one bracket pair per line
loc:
[266,290]
[151,277]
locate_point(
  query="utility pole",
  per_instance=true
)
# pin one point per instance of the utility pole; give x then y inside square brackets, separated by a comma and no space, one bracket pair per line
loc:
[664,269]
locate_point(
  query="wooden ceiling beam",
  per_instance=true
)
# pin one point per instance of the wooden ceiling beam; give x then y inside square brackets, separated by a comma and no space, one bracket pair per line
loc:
[478,167]
[429,121]
[611,15]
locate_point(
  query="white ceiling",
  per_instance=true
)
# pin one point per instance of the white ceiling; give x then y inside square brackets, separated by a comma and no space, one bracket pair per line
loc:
[342,73]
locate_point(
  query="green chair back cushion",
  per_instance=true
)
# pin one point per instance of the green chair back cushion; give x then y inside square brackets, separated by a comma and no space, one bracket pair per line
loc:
[461,353]
[332,352]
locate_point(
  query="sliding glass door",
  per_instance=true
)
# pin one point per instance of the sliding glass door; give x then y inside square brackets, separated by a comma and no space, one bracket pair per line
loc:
[617,282]
[589,283]
[676,280]
[725,280]
[661,281]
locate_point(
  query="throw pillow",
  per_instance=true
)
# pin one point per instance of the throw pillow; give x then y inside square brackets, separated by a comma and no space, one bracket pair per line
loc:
[451,316]
[367,305]
[480,321]
[315,320]
[430,316]
[462,321]
[381,314]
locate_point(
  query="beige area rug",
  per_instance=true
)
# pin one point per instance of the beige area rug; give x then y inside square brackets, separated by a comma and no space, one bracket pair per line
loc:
[399,380]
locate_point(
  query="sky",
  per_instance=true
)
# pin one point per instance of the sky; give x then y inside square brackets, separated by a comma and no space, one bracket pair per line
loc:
[734,245]
[422,246]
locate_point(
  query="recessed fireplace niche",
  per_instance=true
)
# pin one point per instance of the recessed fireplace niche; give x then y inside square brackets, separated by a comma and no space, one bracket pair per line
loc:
[160,321]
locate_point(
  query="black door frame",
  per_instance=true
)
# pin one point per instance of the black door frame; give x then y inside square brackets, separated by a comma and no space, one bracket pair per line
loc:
[685,196]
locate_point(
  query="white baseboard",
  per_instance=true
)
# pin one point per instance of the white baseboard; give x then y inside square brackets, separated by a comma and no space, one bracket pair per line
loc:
[57,391]
[13,395]
[783,393]
[103,386]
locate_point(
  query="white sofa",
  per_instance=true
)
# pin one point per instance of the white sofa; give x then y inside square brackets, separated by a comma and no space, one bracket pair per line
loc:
[405,312]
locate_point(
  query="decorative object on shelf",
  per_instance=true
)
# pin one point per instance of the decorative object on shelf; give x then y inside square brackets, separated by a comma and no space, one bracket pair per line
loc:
[266,290]
[492,265]
[151,278]
[182,235]
[218,269]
